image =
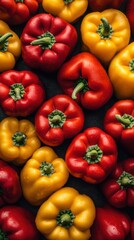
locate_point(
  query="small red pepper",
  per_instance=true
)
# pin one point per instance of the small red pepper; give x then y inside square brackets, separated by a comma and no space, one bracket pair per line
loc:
[110,224]
[21,92]
[16,12]
[97,5]
[47,41]
[10,188]
[92,155]
[119,187]
[58,118]
[119,123]
[85,80]
[130,14]
[17,223]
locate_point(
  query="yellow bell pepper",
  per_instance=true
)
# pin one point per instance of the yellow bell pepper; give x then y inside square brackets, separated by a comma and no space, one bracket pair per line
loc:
[43,174]
[66,215]
[121,73]
[105,33]
[18,140]
[10,47]
[69,10]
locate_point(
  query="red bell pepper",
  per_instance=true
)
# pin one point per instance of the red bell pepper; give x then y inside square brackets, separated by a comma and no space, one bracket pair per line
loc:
[17,223]
[85,80]
[130,14]
[98,5]
[119,123]
[21,92]
[119,187]
[10,188]
[92,155]
[110,224]
[16,12]
[47,41]
[59,118]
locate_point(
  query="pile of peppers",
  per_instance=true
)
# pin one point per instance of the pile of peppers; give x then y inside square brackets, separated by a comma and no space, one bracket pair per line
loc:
[66,120]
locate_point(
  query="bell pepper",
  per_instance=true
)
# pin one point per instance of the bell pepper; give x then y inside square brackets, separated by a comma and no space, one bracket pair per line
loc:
[119,123]
[66,215]
[98,5]
[43,174]
[85,80]
[17,223]
[10,47]
[47,41]
[59,118]
[18,140]
[16,12]
[132,230]
[69,10]
[9,184]
[129,11]
[121,73]
[105,33]
[119,186]
[110,224]
[92,155]
[21,92]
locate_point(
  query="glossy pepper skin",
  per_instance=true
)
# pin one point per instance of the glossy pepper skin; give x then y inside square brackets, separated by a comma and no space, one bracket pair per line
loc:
[119,187]
[21,92]
[97,5]
[47,41]
[69,10]
[66,215]
[59,118]
[10,47]
[105,33]
[130,14]
[85,80]
[16,12]
[10,188]
[17,223]
[43,174]
[18,140]
[91,155]
[121,73]
[110,224]
[119,123]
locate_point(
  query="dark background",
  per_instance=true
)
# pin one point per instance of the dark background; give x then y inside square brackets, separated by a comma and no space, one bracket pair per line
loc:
[92,118]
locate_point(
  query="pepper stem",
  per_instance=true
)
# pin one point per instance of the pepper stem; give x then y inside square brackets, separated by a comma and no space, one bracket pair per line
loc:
[19,139]
[4,41]
[105,29]
[68,1]
[56,118]
[3,235]
[65,218]
[131,65]
[46,169]
[45,40]
[126,180]
[17,91]
[93,154]
[81,85]
[126,120]
[21,1]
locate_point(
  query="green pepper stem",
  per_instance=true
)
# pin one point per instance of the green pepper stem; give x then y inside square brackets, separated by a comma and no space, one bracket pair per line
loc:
[17,91]
[77,89]
[19,139]
[56,119]
[126,180]
[93,154]
[105,29]
[46,169]
[126,120]
[21,1]
[65,218]
[45,40]
[3,235]
[68,1]
[4,37]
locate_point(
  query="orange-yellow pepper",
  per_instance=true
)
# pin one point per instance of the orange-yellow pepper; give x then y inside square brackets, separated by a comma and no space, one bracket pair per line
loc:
[18,140]
[69,10]
[121,73]
[105,33]
[10,47]
[43,174]
[66,215]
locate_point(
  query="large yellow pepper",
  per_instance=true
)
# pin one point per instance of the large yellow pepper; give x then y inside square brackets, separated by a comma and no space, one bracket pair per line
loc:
[18,140]
[66,215]
[10,47]
[69,10]
[105,33]
[121,73]
[43,174]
